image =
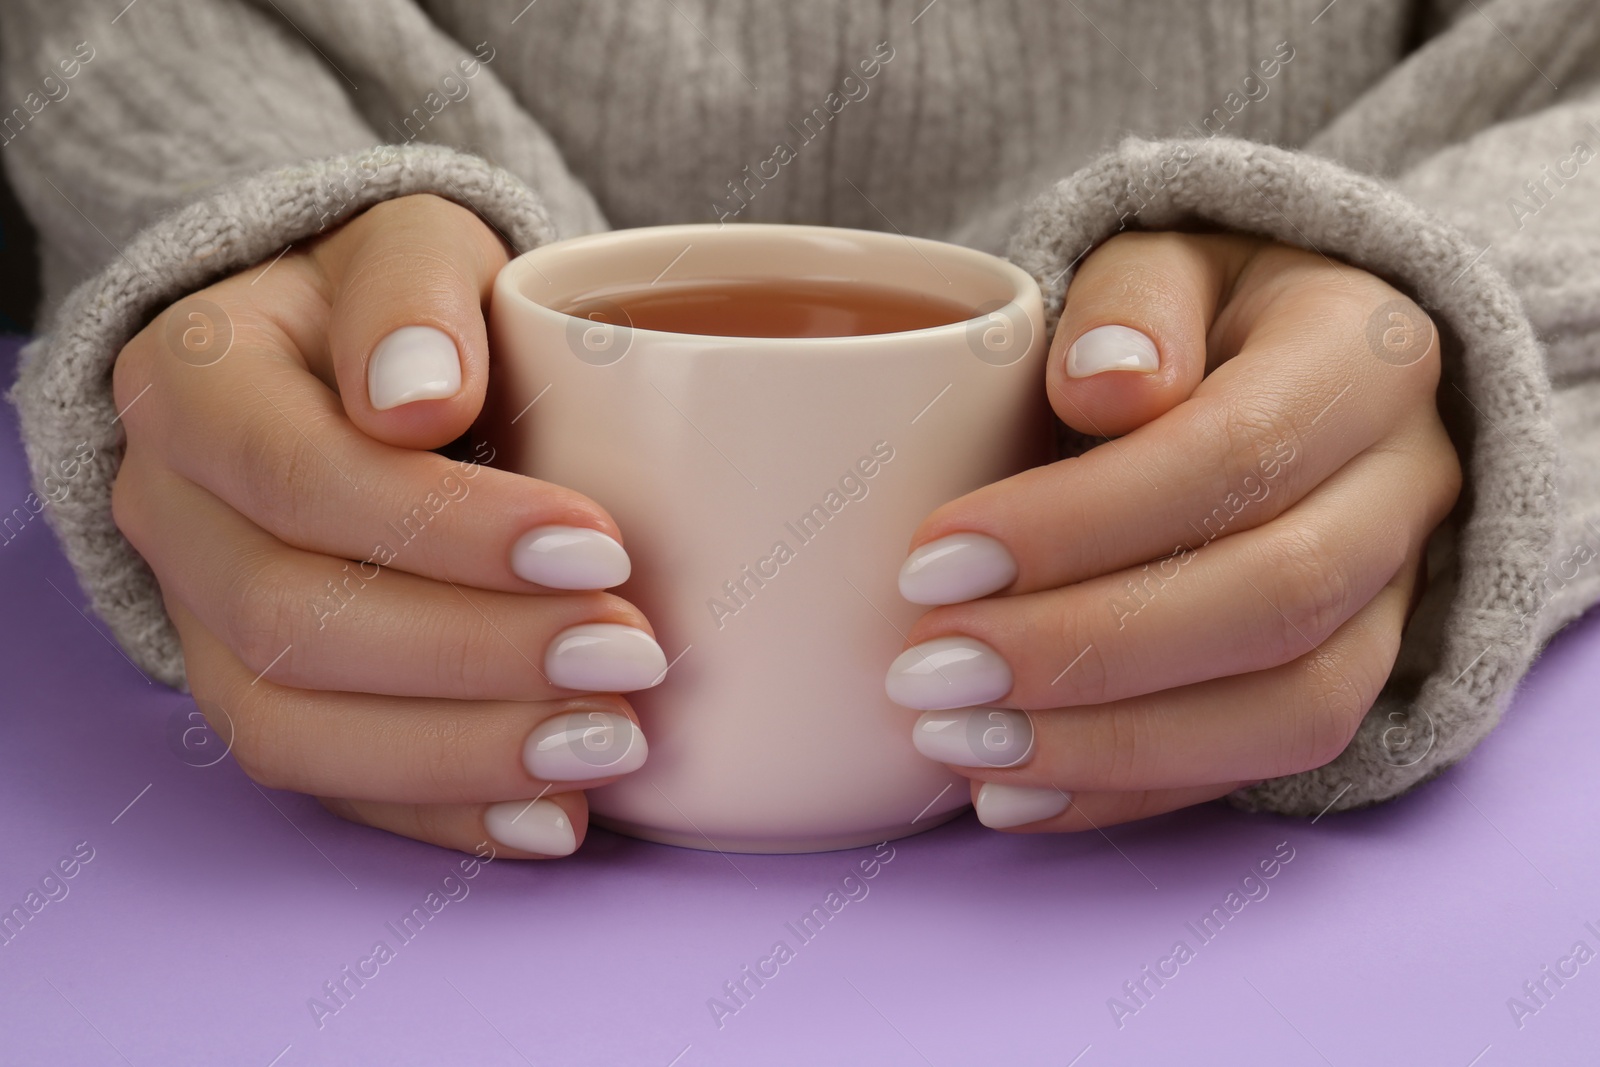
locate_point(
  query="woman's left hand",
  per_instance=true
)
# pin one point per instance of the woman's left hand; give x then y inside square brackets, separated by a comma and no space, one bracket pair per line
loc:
[1215,596]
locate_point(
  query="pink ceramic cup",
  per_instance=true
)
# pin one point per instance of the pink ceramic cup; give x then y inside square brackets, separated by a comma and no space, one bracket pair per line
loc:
[767,490]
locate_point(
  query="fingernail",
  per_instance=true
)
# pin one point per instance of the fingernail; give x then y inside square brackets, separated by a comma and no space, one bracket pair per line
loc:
[569,557]
[1001,806]
[1111,348]
[582,745]
[539,826]
[604,657]
[413,363]
[947,672]
[960,567]
[975,737]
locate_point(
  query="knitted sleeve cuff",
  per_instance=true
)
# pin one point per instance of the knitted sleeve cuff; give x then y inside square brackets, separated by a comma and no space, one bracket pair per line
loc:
[1478,630]
[63,393]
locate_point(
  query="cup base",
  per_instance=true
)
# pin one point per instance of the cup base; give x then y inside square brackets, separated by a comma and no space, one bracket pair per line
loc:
[769,845]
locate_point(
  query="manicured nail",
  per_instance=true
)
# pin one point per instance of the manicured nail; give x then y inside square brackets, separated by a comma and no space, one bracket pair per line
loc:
[569,557]
[960,567]
[947,672]
[1001,806]
[413,363]
[582,745]
[1111,348]
[604,657]
[975,737]
[539,826]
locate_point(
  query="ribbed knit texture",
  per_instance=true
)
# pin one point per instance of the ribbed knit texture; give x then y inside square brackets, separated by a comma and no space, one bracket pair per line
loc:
[200,138]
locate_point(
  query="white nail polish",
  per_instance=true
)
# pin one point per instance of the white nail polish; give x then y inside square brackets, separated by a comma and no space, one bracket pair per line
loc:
[604,657]
[413,363]
[959,567]
[975,737]
[538,826]
[1111,348]
[947,672]
[1001,806]
[582,745]
[569,557]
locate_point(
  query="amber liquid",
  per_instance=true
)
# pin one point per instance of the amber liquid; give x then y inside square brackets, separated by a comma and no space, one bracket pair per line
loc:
[772,308]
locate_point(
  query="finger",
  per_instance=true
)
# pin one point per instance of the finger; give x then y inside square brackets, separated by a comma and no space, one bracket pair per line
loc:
[1302,397]
[268,438]
[309,621]
[1131,344]
[409,750]
[1244,603]
[1249,727]
[537,828]
[1051,811]
[407,339]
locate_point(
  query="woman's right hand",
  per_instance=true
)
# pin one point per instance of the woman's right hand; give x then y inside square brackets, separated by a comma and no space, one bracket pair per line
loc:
[416,641]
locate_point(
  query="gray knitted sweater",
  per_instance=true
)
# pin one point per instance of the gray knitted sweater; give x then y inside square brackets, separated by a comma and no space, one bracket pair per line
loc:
[1448,147]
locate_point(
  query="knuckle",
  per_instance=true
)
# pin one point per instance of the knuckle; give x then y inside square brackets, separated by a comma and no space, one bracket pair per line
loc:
[277,469]
[250,753]
[464,664]
[126,497]
[1118,751]
[1454,480]
[135,394]
[1447,483]
[262,613]
[1367,314]
[1084,672]
[1310,588]
[256,733]
[1324,729]
[475,641]
[1248,429]
[1410,339]
[1341,688]
[443,765]
[131,374]
[1342,296]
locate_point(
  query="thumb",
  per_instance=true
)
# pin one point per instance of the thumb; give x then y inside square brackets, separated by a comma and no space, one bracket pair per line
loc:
[1131,344]
[407,337]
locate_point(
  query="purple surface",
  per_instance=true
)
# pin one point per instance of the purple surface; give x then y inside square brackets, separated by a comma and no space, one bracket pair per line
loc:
[212,912]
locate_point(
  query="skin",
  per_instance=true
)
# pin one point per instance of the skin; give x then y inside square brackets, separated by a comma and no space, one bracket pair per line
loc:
[1273,632]
[250,483]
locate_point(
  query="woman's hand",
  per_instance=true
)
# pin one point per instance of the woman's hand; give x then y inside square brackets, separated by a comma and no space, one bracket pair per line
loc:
[1216,595]
[417,641]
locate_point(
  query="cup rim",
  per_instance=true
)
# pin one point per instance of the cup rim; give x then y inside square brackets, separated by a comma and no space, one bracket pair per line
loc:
[1023,286]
